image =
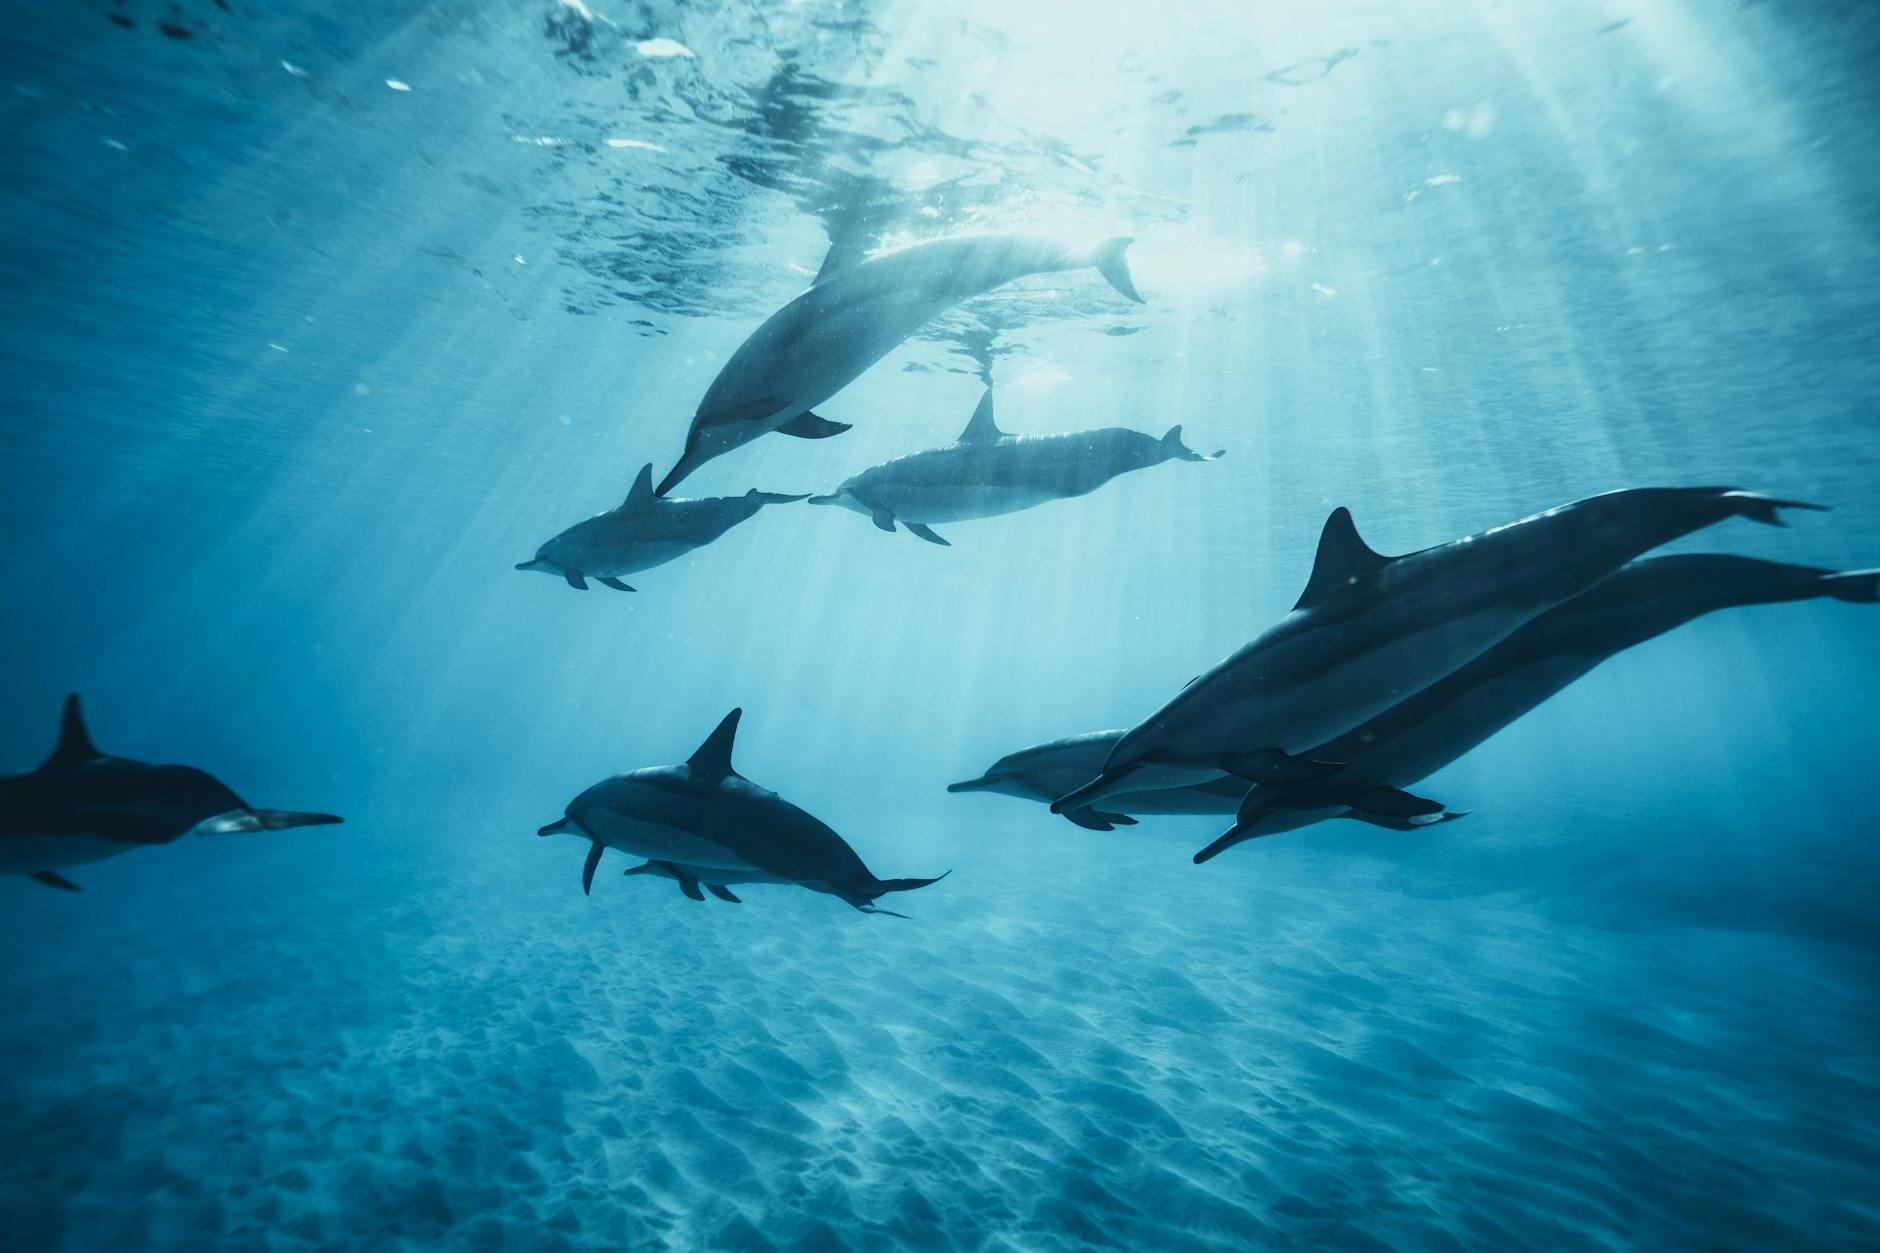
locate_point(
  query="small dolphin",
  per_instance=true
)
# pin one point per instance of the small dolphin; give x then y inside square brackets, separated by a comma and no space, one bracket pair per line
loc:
[1044,772]
[1371,630]
[703,822]
[987,473]
[1418,737]
[81,806]
[645,531]
[851,318]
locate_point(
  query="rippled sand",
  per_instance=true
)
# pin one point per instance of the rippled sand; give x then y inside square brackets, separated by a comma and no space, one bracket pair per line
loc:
[327,1043]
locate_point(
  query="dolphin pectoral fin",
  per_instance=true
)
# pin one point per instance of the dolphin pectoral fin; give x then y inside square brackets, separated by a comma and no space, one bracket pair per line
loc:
[689,886]
[882,517]
[53,879]
[595,849]
[1236,834]
[723,893]
[1278,769]
[925,532]
[1093,819]
[608,580]
[807,425]
[575,580]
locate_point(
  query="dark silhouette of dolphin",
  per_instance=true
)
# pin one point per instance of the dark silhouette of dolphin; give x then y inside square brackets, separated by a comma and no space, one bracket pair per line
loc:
[82,806]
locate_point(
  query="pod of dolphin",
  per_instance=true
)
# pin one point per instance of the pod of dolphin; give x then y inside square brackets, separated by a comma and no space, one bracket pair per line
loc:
[1386,670]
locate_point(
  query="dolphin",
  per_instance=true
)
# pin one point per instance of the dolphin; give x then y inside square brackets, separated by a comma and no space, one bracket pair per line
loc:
[645,531]
[1419,736]
[703,822]
[1044,772]
[1371,630]
[82,806]
[987,472]
[851,318]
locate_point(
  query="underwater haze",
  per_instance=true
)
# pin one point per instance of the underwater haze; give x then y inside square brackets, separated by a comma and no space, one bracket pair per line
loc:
[322,317]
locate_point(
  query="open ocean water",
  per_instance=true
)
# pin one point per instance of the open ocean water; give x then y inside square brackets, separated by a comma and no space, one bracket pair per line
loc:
[320,317]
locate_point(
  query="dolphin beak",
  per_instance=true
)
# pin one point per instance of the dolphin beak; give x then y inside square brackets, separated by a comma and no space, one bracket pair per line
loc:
[691,460]
[557,827]
[537,564]
[834,498]
[284,819]
[983,783]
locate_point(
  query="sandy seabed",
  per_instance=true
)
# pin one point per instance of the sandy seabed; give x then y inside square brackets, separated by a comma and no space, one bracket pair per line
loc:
[280,1046]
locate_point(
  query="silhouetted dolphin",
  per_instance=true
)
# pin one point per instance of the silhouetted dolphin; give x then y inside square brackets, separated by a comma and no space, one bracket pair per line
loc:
[987,473]
[81,806]
[703,822]
[1371,630]
[1044,772]
[1421,735]
[820,342]
[645,531]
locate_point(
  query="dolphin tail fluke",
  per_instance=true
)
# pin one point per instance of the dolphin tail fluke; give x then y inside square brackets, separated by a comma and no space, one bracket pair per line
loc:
[884,886]
[1172,444]
[1860,587]
[1766,509]
[1108,258]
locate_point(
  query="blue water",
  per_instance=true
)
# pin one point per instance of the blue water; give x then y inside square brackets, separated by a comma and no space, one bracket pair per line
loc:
[298,364]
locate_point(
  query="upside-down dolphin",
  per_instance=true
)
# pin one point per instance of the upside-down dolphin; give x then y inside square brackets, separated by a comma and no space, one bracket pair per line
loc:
[704,823]
[644,531]
[1370,631]
[1419,736]
[82,806]
[987,472]
[823,340]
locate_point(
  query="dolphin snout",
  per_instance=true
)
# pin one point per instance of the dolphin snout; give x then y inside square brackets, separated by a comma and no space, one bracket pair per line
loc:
[834,498]
[983,783]
[536,563]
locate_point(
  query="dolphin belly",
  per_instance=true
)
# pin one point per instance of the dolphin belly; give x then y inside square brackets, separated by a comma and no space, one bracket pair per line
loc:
[659,841]
[31,851]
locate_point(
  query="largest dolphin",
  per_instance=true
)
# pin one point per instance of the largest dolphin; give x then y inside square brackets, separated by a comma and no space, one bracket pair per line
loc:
[986,473]
[821,342]
[82,806]
[702,822]
[1371,630]
[1421,735]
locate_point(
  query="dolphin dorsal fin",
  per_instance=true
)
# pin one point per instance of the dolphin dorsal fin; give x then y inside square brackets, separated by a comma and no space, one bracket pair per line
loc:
[714,755]
[981,429]
[1343,559]
[75,746]
[641,493]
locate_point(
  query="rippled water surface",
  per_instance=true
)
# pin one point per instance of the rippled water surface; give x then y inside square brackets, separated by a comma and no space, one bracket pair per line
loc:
[321,317]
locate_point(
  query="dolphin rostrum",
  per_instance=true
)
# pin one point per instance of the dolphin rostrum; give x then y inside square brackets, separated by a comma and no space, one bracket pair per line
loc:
[82,806]
[1418,737]
[823,340]
[1370,631]
[704,823]
[987,472]
[644,531]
